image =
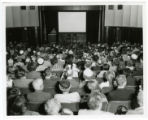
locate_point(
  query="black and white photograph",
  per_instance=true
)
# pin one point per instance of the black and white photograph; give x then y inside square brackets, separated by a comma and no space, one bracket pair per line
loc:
[74,59]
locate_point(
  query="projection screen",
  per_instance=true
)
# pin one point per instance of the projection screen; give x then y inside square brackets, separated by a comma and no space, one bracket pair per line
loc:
[72,21]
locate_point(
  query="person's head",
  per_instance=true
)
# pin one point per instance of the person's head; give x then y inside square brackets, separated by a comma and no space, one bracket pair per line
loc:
[105,67]
[109,76]
[13,92]
[31,66]
[47,71]
[121,81]
[19,72]
[40,61]
[69,59]
[64,86]
[93,85]
[95,58]
[54,60]
[95,101]
[121,110]
[88,74]
[38,84]
[18,106]
[88,64]
[52,107]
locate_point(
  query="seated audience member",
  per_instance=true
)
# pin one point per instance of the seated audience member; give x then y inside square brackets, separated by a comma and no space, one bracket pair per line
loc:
[32,74]
[11,94]
[106,85]
[18,107]
[95,103]
[52,107]
[140,109]
[121,93]
[47,73]
[88,73]
[57,63]
[93,85]
[66,96]
[50,80]
[105,69]
[95,59]
[41,66]
[38,96]
[75,71]
[107,79]
[21,81]
[9,82]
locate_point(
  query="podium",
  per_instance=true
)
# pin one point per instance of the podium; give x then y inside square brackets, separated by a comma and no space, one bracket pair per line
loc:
[52,38]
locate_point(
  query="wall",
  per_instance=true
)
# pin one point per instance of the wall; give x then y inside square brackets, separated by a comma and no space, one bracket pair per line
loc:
[128,16]
[16,17]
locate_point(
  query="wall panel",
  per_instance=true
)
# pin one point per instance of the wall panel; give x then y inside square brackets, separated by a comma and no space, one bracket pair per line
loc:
[126,15]
[9,17]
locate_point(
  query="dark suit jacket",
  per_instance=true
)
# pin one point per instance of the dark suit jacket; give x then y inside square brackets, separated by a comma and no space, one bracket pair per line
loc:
[120,95]
[38,97]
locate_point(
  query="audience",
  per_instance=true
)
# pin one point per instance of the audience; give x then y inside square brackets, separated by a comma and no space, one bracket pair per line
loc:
[101,72]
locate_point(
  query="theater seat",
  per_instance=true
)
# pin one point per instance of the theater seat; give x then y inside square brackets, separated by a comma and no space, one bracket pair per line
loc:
[74,107]
[37,107]
[113,105]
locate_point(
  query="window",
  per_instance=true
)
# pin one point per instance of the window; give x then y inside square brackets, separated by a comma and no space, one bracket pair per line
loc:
[23,7]
[32,7]
[120,7]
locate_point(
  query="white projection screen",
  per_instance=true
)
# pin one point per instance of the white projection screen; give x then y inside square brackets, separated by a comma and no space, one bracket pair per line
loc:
[72,21]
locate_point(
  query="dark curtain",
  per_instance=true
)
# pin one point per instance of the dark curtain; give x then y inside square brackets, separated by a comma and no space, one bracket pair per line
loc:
[51,22]
[92,26]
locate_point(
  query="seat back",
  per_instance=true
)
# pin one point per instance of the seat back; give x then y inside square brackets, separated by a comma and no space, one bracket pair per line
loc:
[74,107]
[34,106]
[37,107]
[113,105]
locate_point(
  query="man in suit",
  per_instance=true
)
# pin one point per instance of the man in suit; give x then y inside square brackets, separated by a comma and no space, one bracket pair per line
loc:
[38,96]
[121,93]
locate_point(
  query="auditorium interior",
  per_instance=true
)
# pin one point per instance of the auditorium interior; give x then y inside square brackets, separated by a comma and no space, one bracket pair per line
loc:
[74,60]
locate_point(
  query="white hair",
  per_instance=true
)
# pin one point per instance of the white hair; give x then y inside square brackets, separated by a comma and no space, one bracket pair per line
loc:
[38,84]
[95,100]
[122,81]
[52,107]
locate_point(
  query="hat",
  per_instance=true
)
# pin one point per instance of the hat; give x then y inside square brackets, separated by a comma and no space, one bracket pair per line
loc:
[88,74]
[134,56]
[38,84]
[34,51]
[99,61]
[27,60]
[29,49]
[64,85]
[38,53]
[40,61]
[70,52]
[21,52]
